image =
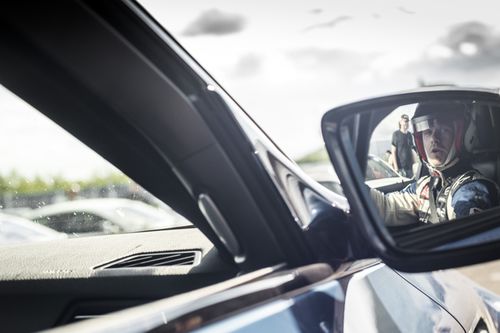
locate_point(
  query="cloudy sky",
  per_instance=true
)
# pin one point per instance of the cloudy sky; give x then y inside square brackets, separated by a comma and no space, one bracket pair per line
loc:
[287,62]
[34,145]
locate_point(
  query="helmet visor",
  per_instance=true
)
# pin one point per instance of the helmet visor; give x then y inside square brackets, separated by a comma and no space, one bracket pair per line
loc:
[429,122]
[442,112]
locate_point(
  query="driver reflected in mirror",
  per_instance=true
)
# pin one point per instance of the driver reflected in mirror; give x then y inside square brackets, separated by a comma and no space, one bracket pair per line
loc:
[453,188]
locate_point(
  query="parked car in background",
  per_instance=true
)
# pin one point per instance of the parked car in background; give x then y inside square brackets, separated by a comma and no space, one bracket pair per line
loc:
[377,168]
[15,229]
[104,216]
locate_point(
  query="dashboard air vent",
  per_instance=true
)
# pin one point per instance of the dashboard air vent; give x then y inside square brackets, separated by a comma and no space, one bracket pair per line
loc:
[157,259]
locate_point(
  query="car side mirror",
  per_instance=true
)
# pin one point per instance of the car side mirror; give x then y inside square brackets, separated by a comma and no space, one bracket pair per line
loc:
[448,215]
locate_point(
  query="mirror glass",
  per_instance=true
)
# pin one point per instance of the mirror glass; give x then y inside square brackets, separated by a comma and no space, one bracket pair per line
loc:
[432,168]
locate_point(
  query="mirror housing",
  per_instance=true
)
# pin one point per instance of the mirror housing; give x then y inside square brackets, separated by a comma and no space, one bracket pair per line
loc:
[347,130]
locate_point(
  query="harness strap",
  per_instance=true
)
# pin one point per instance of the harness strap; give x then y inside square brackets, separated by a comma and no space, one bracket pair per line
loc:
[433,216]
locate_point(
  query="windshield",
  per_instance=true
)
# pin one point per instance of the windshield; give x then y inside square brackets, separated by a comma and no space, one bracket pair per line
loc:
[52,186]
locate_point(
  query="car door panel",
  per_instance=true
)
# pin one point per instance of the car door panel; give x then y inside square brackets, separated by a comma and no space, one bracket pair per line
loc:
[455,293]
[366,297]
[379,300]
[374,299]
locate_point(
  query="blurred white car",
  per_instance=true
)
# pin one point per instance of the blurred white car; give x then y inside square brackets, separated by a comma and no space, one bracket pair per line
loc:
[14,229]
[104,216]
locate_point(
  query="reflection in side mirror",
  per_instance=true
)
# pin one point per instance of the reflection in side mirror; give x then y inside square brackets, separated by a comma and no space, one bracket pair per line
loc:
[417,169]
[431,161]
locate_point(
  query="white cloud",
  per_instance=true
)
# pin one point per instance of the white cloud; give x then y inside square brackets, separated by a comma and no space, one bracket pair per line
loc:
[330,24]
[215,22]
[248,65]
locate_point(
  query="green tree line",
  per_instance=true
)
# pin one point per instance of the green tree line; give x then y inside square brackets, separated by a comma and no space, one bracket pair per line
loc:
[317,156]
[17,183]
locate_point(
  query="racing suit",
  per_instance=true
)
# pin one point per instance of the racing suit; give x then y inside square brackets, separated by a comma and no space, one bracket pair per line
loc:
[438,198]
